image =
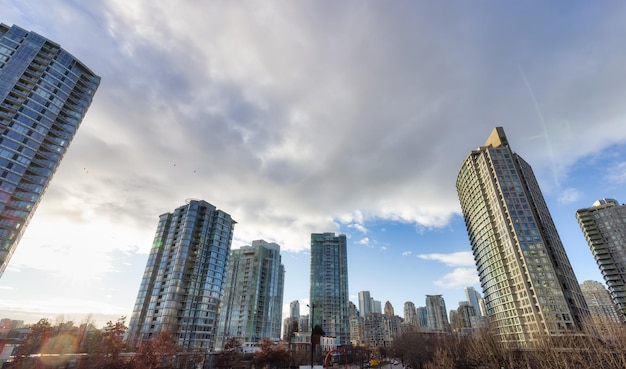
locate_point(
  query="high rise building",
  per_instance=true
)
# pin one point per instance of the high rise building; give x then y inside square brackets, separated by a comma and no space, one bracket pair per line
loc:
[601,306]
[365,303]
[436,314]
[422,316]
[377,306]
[294,309]
[44,94]
[410,313]
[183,283]
[329,285]
[604,228]
[465,313]
[528,283]
[473,297]
[389,309]
[253,300]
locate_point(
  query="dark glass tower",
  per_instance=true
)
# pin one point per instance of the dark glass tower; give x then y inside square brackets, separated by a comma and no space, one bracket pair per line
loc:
[329,285]
[44,95]
[183,283]
[529,287]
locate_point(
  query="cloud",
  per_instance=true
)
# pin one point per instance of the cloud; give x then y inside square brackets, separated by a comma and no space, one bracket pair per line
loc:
[358,227]
[617,174]
[365,242]
[290,115]
[406,253]
[463,258]
[569,195]
[459,278]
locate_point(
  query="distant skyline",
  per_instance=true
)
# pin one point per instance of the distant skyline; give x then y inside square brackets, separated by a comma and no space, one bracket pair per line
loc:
[307,117]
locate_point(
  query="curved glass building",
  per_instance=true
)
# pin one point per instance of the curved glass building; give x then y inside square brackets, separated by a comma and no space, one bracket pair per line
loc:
[529,287]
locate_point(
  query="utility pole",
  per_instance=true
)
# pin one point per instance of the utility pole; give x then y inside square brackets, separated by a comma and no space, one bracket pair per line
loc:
[312,310]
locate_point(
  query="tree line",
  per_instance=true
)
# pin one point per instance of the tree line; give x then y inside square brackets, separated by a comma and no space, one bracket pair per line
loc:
[601,345]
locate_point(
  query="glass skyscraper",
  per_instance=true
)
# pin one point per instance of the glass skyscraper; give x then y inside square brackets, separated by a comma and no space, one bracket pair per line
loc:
[44,94]
[253,301]
[436,314]
[604,228]
[365,303]
[183,283]
[329,285]
[529,286]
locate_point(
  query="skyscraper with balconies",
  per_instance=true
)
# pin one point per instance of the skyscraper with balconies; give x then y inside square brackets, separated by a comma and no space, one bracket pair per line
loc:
[253,301]
[44,95]
[183,283]
[329,296]
[604,227]
[529,286]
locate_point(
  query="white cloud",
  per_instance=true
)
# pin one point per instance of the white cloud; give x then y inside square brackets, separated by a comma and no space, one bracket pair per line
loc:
[617,173]
[365,242]
[569,195]
[359,227]
[463,258]
[459,278]
[406,253]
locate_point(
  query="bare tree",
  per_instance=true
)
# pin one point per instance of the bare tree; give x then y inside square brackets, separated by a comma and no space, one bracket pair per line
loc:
[270,355]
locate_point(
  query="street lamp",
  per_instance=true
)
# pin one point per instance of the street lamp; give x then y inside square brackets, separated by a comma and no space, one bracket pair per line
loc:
[311,312]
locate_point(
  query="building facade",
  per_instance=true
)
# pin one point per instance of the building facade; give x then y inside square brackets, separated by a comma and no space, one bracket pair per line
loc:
[389,309]
[329,285]
[44,95]
[410,313]
[604,228]
[365,303]
[422,316]
[528,283]
[183,283]
[253,300]
[601,306]
[474,298]
[436,314]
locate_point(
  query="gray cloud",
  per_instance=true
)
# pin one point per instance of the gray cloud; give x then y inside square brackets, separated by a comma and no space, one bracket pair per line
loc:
[293,116]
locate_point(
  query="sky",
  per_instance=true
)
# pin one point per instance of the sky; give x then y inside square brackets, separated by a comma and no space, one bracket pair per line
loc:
[300,117]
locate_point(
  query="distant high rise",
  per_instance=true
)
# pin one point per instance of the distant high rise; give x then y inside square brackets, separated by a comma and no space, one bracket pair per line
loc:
[354,312]
[377,306]
[604,227]
[253,300]
[183,283]
[389,309]
[44,95]
[294,309]
[473,297]
[329,285]
[601,306]
[436,313]
[410,313]
[465,314]
[422,316]
[528,283]
[365,303]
